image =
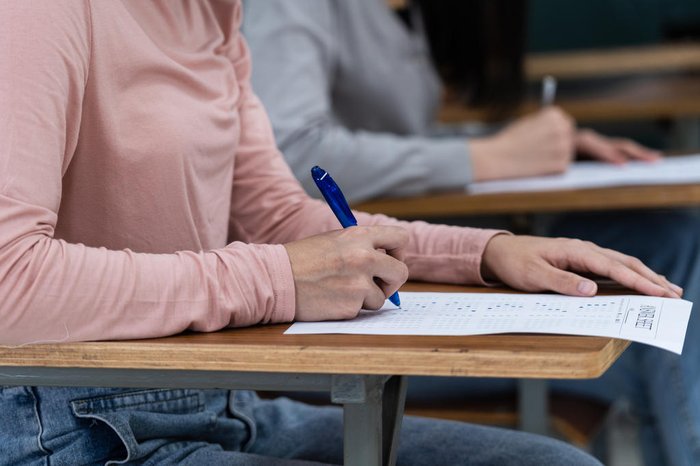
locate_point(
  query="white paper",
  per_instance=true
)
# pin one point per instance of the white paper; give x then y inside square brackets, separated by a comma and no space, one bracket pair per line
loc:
[660,322]
[670,170]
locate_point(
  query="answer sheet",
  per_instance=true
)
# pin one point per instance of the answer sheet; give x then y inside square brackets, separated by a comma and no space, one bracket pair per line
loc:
[670,170]
[660,322]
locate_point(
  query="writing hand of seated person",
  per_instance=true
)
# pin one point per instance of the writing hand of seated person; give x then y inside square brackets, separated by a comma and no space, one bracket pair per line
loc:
[545,143]
[339,272]
[541,143]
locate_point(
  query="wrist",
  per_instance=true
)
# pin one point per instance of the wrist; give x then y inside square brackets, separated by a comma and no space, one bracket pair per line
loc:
[488,258]
[484,154]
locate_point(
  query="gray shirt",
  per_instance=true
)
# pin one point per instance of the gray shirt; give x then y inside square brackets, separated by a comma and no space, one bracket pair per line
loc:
[350,88]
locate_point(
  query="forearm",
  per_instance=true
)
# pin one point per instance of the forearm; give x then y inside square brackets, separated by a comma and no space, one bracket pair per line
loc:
[370,165]
[440,253]
[56,291]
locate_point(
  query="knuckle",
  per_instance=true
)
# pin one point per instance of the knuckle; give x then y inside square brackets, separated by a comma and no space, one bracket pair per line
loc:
[635,262]
[347,233]
[357,232]
[357,285]
[404,272]
[375,300]
[569,242]
[351,312]
[358,258]
[579,243]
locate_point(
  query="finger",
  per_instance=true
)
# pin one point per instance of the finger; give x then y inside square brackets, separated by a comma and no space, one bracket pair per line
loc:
[374,298]
[639,267]
[599,147]
[386,288]
[391,239]
[389,272]
[674,287]
[636,151]
[564,282]
[588,260]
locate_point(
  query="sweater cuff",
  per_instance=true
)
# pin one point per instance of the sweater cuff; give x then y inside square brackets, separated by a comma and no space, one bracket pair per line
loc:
[450,162]
[282,284]
[473,273]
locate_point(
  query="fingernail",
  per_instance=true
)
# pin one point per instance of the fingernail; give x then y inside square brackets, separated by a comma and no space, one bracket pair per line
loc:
[586,287]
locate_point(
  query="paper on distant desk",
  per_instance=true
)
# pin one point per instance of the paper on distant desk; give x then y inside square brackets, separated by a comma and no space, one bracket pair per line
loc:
[671,170]
[655,321]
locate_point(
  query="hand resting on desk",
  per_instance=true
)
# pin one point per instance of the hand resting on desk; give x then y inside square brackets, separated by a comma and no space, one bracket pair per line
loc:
[548,264]
[339,272]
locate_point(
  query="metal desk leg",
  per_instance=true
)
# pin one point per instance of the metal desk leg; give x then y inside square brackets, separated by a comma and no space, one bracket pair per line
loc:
[392,415]
[372,410]
[533,412]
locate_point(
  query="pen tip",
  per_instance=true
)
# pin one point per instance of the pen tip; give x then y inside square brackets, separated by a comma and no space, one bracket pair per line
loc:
[394,298]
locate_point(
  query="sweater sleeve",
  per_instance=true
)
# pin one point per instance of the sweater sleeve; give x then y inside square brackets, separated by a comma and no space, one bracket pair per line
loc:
[295,59]
[53,290]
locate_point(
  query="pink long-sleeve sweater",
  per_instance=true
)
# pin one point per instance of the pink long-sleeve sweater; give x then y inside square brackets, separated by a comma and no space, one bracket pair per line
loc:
[141,193]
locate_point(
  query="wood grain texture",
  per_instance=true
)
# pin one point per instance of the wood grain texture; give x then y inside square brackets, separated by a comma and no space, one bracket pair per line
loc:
[266,349]
[636,98]
[461,203]
[614,61]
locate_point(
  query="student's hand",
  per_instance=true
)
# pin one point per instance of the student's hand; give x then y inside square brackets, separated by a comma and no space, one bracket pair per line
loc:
[613,150]
[538,144]
[339,272]
[548,264]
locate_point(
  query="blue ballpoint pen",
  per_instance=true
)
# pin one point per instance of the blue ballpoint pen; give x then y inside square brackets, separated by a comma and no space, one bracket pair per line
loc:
[336,201]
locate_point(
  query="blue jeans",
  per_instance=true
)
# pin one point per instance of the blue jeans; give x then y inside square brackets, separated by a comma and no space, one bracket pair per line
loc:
[81,426]
[663,388]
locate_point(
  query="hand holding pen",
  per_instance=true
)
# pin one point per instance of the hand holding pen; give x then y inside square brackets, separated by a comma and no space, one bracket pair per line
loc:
[339,272]
[336,201]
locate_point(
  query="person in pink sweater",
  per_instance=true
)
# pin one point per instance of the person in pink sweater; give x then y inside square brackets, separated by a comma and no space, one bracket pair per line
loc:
[141,195]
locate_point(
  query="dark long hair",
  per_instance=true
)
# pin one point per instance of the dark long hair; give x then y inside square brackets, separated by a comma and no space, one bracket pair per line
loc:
[478,47]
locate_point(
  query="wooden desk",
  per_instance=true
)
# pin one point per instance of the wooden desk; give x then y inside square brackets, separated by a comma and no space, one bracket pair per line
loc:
[461,203]
[634,98]
[362,372]
[614,61]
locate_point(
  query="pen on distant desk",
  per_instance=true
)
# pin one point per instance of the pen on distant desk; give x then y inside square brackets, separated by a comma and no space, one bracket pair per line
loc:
[549,90]
[336,201]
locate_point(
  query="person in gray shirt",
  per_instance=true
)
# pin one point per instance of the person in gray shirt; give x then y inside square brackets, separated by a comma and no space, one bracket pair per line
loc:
[349,87]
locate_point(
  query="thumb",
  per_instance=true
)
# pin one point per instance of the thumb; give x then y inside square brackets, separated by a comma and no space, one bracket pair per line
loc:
[568,283]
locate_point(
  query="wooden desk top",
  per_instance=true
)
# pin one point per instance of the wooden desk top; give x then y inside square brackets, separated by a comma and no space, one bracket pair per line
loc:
[614,61]
[634,98]
[461,203]
[265,349]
